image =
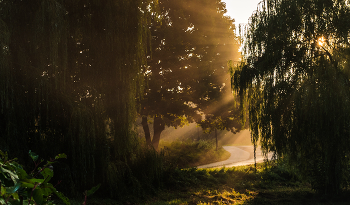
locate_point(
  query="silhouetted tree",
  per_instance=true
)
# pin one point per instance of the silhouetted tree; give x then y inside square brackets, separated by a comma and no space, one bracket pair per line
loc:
[66,69]
[295,73]
[191,47]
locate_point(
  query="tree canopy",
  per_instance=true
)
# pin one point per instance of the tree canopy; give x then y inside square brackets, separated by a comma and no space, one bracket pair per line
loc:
[68,70]
[187,70]
[295,75]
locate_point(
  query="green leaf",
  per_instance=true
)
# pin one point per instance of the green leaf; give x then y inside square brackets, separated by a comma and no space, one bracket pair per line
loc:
[33,155]
[21,174]
[2,190]
[13,189]
[93,190]
[47,173]
[38,196]
[60,156]
[16,202]
[15,196]
[2,201]
[46,191]
[13,175]
[61,196]
[27,185]
[35,181]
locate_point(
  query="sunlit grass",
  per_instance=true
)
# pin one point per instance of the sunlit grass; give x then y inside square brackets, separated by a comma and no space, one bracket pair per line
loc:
[239,185]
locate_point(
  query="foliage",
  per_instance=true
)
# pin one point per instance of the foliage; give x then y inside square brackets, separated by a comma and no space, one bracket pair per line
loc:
[141,175]
[70,72]
[187,72]
[184,154]
[18,187]
[295,75]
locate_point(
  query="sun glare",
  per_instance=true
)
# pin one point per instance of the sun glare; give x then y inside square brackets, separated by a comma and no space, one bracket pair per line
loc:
[321,41]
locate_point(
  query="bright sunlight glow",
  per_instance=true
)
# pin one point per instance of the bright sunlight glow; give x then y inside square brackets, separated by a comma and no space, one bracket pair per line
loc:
[321,41]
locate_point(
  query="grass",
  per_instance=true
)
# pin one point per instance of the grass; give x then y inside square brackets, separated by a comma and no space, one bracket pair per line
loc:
[238,185]
[268,185]
[242,185]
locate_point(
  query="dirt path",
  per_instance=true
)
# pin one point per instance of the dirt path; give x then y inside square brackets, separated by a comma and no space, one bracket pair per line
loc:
[240,156]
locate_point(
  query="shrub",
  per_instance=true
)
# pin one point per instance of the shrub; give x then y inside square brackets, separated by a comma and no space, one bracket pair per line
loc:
[18,187]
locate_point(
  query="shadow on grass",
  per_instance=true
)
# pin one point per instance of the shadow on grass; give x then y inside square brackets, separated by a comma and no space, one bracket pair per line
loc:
[286,196]
[240,185]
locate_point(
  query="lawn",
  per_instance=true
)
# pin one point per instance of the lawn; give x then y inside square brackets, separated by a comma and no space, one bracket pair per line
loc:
[240,185]
[269,184]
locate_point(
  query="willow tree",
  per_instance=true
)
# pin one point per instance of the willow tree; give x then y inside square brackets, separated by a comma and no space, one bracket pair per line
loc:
[67,68]
[295,74]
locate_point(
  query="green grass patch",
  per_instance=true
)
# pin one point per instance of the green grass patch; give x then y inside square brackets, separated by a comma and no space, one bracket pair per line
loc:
[239,185]
[273,184]
[186,154]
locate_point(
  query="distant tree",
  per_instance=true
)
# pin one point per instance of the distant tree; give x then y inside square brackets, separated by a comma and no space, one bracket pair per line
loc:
[191,46]
[295,73]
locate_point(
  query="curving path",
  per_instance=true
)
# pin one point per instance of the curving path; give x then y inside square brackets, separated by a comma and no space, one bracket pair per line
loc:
[240,156]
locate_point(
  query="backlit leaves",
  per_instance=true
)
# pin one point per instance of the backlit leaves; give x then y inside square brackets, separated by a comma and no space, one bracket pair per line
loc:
[298,88]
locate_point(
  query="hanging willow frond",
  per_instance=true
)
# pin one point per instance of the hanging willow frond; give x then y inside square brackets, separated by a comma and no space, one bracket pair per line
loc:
[298,87]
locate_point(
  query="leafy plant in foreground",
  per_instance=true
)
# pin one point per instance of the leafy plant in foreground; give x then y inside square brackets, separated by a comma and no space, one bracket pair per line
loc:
[18,187]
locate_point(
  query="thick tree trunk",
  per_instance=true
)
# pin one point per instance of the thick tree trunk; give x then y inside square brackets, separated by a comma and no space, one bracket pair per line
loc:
[158,127]
[146,130]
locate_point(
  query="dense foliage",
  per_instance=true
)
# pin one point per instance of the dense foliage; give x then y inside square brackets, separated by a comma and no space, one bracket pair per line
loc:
[187,73]
[19,187]
[69,76]
[189,153]
[295,74]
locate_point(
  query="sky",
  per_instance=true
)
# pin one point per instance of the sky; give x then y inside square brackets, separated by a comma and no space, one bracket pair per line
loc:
[241,10]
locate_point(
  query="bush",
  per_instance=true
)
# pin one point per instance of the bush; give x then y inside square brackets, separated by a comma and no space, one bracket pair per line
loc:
[18,187]
[185,154]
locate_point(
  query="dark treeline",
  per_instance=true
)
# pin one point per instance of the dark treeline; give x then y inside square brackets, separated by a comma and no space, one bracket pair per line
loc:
[68,71]
[72,80]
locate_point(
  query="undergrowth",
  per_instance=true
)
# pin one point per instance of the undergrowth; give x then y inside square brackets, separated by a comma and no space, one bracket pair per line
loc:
[269,184]
[186,154]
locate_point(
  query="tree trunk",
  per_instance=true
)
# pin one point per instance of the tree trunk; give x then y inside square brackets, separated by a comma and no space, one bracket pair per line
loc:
[158,127]
[216,137]
[146,130]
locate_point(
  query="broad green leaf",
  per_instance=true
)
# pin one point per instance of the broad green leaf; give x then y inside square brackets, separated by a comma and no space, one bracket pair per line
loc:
[46,191]
[93,190]
[15,196]
[21,174]
[47,173]
[26,202]
[27,185]
[33,155]
[36,180]
[2,190]
[38,196]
